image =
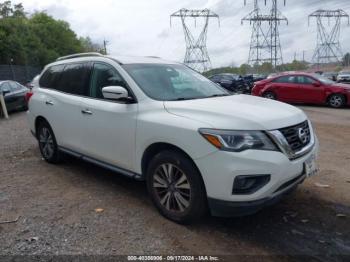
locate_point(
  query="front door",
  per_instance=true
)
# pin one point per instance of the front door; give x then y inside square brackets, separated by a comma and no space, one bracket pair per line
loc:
[109,126]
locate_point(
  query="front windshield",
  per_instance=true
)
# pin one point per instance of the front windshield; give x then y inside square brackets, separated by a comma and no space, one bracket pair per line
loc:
[172,82]
[323,79]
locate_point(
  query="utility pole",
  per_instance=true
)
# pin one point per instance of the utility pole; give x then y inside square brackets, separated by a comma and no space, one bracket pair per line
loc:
[196,55]
[328,48]
[12,71]
[265,43]
[105,43]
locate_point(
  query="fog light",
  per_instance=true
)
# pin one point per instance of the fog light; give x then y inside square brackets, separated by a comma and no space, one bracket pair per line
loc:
[249,184]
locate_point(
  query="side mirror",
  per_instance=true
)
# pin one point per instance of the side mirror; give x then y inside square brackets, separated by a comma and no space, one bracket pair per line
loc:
[115,93]
[316,84]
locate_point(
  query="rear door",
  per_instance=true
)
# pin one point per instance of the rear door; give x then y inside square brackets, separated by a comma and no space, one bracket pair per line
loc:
[18,92]
[226,81]
[286,88]
[10,98]
[109,126]
[67,84]
[308,91]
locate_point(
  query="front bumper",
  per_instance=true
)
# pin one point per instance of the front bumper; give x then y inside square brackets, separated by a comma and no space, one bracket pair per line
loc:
[223,208]
[220,169]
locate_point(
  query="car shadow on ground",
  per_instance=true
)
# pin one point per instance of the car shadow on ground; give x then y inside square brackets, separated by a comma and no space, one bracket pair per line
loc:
[300,225]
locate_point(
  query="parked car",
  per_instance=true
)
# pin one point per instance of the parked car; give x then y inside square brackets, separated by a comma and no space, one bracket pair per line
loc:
[194,144]
[259,77]
[14,95]
[304,88]
[343,76]
[251,79]
[231,82]
[331,75]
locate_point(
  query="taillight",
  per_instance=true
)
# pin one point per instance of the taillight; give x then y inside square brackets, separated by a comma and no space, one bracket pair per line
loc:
[28,96]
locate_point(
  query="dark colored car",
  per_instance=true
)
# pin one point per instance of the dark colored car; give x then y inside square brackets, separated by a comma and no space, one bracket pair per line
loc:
[14,94]
[303,88]
[331,75]
[231,82]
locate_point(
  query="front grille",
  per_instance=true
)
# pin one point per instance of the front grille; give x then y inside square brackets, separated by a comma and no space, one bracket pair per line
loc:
[298,136]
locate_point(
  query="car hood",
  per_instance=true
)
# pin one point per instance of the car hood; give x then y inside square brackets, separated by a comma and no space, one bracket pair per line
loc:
[344,86]
[238,112]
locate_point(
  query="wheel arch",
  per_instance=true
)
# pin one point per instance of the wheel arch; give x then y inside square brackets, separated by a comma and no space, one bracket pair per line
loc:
[153,149]
[336,93]
[38,120]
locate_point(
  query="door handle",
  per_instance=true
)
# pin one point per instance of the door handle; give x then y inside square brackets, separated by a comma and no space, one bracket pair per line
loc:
[86,112]
[49,103]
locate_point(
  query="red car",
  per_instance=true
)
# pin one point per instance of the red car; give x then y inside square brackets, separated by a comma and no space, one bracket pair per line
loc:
[303,88]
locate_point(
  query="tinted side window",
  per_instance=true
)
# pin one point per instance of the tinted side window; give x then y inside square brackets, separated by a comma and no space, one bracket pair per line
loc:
[226,77]
[305,80]
[5,87]
[74,79]
[51,77]
[285,79]
[14,86]
[104,75]
[214,78]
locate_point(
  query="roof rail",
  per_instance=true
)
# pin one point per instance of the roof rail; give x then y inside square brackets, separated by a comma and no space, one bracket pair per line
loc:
[78,55]
[152,56]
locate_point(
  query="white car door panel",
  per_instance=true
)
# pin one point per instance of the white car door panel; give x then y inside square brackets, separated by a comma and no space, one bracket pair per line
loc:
[109,131]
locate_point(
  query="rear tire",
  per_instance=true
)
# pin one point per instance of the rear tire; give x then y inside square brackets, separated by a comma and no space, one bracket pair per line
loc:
[47,143]
[336,101]
[270,95]
[176,187]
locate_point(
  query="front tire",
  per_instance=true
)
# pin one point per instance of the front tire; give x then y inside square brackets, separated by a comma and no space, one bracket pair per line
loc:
[176,187]
[336,101]
[270,95]
[47,143]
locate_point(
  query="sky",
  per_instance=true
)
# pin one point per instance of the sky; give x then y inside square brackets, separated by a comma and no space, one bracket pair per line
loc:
[142,27]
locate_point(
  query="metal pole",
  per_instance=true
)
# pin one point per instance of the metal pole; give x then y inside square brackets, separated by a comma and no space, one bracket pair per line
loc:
[3,105]
[13,73]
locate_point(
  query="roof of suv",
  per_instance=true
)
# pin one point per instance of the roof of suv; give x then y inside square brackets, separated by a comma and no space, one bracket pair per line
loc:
[119,59]
[140,60]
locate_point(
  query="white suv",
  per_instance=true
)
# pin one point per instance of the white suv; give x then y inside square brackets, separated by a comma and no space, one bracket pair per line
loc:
[197,146]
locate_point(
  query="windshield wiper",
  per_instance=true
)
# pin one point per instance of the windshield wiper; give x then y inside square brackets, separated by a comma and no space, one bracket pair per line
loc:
[218,95]
[200,97]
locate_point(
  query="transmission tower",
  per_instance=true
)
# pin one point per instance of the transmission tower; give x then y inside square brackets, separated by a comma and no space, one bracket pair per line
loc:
[196,56]
[328,49]
[265,43]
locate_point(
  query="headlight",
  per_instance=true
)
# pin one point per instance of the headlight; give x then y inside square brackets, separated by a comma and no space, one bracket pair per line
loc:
[237,141]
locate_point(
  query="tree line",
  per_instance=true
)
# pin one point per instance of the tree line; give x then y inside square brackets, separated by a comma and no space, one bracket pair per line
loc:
[267,68]
[37,39]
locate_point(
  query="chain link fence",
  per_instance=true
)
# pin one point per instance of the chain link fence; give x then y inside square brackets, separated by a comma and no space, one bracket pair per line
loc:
[19,73]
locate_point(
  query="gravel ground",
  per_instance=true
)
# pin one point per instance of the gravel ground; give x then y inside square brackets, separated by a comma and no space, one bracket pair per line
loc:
[56,207]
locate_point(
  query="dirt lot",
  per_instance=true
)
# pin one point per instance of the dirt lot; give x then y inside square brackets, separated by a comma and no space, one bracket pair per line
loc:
[55,207]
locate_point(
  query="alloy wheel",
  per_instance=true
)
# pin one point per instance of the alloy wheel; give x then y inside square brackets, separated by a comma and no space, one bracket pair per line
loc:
[46,143]
[172,187]
[336,101]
